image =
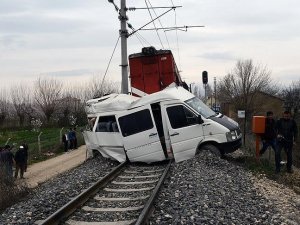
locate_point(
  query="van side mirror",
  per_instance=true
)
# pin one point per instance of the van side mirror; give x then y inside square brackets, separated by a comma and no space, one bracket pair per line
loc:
[200,120]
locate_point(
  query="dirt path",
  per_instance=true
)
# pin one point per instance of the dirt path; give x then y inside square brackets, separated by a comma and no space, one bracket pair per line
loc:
[42,171]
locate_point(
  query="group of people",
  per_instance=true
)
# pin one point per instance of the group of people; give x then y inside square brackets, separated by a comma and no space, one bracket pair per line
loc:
[8,160]
[69,139]
[281,134]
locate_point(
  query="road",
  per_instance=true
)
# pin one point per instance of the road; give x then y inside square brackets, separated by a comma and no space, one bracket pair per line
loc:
[42,171]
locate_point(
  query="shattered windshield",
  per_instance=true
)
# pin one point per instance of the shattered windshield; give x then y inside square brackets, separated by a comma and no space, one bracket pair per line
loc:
[200,107]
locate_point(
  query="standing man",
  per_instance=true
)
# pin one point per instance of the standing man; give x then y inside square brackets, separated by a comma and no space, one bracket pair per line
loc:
[71,138]
[287,135]
[8,159]
[26,148]
[75,138]
[20,159]
[65,141]
[269,139]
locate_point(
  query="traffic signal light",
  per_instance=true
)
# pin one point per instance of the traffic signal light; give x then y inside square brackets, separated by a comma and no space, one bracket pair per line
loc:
[204,77]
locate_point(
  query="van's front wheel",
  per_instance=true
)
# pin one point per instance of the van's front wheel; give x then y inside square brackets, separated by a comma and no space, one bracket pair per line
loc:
[213,149]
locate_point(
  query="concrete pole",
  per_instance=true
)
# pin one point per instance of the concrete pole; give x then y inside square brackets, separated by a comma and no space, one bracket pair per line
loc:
[123,34]
[215,87]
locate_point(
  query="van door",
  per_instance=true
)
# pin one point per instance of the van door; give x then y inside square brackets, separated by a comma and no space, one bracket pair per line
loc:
[140,136]
[184,130]
[109,139]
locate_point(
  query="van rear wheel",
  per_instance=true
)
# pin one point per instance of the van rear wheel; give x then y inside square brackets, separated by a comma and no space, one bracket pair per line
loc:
[213,149]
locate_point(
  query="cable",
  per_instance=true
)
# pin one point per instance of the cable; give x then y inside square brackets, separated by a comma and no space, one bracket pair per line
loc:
[177,41]
[145,41]
[160,23]
[154,24]
[138,35]
[109,62]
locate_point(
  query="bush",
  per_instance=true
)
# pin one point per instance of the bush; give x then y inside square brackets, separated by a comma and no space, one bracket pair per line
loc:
[10,190]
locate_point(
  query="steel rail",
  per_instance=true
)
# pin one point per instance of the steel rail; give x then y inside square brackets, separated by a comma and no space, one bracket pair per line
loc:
[148,206]
[65,211]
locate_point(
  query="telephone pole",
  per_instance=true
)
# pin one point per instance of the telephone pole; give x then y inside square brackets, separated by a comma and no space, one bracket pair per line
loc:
[124,34]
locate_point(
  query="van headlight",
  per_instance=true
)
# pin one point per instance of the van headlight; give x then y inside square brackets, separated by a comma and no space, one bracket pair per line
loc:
[231,136]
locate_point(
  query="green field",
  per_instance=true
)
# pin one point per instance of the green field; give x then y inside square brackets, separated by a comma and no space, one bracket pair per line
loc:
[50,141]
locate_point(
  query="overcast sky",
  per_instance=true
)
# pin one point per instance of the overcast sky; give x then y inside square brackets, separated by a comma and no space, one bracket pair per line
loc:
[73,39]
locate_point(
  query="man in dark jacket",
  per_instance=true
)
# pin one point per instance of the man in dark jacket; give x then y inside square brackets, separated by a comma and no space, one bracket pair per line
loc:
[20,158]
[26,149]
[65,141]
[269,139]
[7,157]
[287,135]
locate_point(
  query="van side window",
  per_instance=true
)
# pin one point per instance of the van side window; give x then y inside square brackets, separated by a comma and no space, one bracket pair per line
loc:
[107,124]
[136,122]
[180,116]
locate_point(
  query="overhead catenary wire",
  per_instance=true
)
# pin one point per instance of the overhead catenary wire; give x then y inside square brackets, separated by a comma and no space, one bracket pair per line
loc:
[138,35]
[154,23]
[177,41]
[109,62]
[160,23]
[150,22]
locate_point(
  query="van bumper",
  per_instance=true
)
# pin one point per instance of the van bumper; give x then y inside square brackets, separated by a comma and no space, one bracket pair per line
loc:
[228,147]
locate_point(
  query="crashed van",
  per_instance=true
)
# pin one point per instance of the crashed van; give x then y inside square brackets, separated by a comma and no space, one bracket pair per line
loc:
[172,123]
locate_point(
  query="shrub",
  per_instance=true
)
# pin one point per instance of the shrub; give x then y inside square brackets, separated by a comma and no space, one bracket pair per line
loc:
[10,190]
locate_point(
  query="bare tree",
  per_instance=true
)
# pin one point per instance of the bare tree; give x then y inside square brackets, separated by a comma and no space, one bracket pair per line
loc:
[291,96]
[4,106]
[97,88]
[241,86]
[22,101]
[47,93]
[78,95]
[199,91]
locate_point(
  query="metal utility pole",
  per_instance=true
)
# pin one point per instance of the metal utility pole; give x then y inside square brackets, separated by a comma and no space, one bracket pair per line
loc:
[124,34]
[215,87]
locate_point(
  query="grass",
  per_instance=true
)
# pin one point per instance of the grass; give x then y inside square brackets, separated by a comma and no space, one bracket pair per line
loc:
[50,140]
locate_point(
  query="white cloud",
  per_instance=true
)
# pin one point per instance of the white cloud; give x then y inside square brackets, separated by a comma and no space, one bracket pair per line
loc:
[41,37]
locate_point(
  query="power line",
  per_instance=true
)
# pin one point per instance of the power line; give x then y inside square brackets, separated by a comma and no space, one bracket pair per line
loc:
[138,35]
[154,24]
[160,23]
[177,40]
[109,62]
[150,21]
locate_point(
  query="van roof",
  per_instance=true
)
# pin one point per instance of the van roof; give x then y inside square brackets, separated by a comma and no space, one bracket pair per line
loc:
[120,102]
[172,93]
[109,103]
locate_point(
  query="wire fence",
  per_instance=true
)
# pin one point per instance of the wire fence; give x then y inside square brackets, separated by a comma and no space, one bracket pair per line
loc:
[42,144]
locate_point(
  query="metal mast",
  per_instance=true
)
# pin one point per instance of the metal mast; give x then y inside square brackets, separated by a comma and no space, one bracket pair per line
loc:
[124,34]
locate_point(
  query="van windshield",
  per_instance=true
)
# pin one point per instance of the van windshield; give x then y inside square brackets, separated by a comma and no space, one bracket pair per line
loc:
[200,107]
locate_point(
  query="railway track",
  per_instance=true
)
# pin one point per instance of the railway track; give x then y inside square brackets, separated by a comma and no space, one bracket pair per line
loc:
[123,197]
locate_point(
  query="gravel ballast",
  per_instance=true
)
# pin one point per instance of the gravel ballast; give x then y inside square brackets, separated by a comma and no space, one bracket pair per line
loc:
[202,190]
[209,190]
[50,196]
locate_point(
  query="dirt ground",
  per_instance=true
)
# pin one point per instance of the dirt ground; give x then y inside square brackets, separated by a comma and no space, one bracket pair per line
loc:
[42,171]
